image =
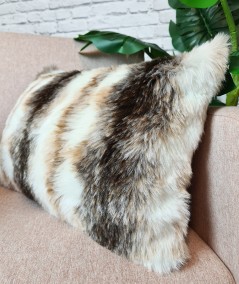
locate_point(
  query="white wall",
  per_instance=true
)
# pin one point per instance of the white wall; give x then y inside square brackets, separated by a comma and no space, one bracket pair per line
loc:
[145,19]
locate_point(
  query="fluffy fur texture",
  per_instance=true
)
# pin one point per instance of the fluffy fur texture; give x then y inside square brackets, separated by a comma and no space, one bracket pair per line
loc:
[109,150]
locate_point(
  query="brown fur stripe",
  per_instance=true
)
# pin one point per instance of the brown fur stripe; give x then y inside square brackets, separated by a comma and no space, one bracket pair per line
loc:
[134,108]
[22,148]
[47,93]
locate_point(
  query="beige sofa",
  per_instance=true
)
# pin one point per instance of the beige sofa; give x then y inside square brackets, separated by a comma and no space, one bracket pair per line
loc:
[37,248]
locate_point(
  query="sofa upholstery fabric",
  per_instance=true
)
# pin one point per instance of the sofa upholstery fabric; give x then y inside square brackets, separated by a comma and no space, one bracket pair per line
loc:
[215,190]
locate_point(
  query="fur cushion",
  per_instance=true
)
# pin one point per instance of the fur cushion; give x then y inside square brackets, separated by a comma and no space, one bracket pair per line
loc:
[109,150]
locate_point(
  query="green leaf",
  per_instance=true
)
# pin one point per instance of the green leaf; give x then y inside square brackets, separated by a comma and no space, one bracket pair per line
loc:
[199,3]
[195,26]
[176,38]
[232,98]
[215,102]
[228,85]
[234,63]
[175,4]
[111,42]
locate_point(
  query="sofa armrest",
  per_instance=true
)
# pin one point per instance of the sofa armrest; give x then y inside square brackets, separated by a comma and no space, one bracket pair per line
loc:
[215,186]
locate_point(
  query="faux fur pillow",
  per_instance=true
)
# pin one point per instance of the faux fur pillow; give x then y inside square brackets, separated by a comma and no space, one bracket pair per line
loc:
[109,150]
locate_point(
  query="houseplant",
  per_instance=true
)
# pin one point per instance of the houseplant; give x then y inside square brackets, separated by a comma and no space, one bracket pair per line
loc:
[196,22]
[200,20]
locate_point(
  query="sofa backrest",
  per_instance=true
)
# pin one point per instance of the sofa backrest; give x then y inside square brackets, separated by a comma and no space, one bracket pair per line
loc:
[22,56]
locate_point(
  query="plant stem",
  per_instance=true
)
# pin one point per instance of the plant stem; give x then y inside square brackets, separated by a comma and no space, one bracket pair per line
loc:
[231,24]
[232,97]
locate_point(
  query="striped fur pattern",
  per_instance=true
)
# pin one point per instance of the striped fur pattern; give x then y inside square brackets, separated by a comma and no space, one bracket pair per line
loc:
[109,150]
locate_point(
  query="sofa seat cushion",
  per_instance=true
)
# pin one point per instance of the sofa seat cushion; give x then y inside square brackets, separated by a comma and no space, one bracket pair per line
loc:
[37,248]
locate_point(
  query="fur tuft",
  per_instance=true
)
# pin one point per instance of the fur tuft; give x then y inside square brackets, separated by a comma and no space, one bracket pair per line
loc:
[202,70]
[214,52]
[47,70]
